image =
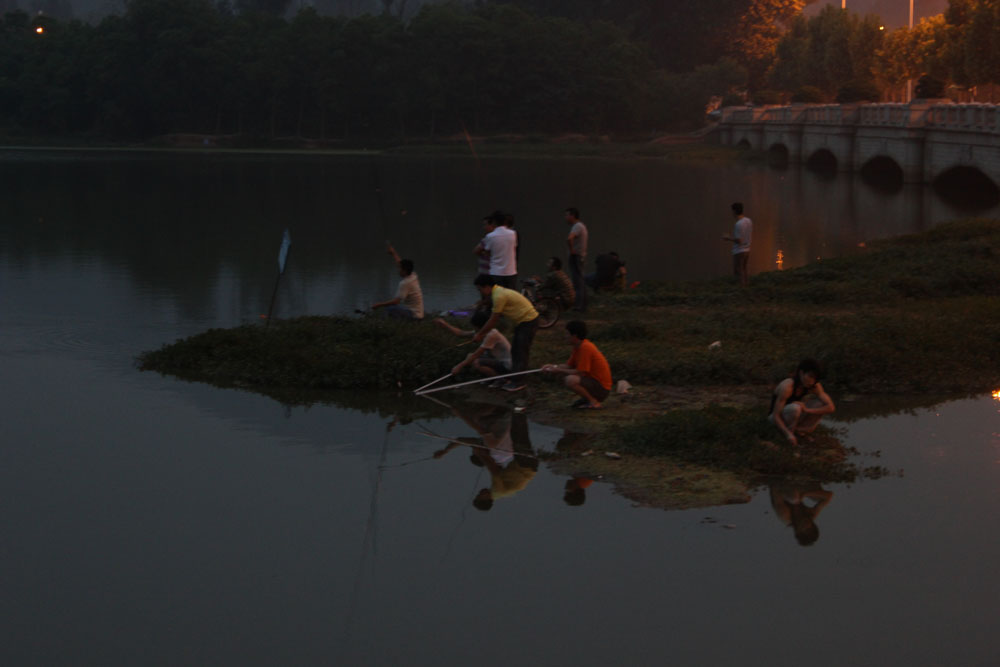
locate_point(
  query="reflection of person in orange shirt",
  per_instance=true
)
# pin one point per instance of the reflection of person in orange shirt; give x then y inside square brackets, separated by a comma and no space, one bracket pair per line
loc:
[576,490]
[587,372]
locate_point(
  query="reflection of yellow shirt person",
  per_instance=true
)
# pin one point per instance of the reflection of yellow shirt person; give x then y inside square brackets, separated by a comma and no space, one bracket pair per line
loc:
[509,480]
[506,451]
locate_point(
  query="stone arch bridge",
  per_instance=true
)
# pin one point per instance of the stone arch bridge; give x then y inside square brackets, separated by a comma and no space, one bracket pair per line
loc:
[925,139]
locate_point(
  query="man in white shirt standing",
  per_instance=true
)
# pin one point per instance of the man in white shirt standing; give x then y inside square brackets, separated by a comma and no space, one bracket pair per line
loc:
[408,303]
[742,232]
[577,244]
[501,244]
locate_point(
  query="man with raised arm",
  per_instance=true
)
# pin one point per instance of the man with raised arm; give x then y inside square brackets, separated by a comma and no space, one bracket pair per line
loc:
[408,304]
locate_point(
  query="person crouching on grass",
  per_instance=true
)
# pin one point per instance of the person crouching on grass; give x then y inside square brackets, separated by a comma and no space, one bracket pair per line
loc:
[799,402]
[492,357]
[587,372]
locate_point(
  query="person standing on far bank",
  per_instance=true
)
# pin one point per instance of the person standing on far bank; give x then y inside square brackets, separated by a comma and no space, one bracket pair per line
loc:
[577,244]
[500,243]
[742,231]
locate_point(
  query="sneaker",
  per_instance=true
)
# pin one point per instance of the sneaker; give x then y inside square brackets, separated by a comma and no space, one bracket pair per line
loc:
[580,403]
[512,386]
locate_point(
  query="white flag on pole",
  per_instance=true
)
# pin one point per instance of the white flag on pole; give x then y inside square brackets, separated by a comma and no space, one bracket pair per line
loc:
[286,240]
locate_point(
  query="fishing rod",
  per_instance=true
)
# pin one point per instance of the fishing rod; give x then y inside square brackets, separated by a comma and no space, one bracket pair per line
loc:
[443,377]
[369,539]
[483,379]
[431,434]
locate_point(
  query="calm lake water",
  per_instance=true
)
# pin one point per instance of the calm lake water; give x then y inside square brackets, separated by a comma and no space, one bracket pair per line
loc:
[152,521]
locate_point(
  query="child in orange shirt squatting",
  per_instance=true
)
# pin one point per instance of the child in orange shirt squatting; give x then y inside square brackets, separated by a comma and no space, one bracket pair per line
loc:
[587,372]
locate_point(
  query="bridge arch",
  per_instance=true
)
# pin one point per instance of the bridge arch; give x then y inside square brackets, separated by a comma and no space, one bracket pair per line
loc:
[926,139]
[967,187]
[883,172]
[778,155]
[823,161]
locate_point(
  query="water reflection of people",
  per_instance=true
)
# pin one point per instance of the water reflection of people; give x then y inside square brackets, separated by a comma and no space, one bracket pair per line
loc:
[505,452]
[576,490]
[789,502]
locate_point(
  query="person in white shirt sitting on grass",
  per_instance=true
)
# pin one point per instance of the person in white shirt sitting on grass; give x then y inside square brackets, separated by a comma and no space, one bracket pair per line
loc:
[408,304]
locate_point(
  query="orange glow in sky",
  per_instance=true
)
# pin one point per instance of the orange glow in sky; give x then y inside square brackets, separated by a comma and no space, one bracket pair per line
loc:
[780,260]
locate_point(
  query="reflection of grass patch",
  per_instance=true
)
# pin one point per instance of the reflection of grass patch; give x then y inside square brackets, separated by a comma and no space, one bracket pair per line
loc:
[734,439]
[656,481]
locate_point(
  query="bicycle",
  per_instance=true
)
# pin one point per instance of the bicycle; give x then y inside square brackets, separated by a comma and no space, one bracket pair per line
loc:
[549,308]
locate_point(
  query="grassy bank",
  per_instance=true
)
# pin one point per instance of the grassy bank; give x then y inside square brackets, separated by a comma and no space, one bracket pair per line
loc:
[916,315]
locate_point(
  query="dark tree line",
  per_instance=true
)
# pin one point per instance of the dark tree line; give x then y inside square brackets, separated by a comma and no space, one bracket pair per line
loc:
[194,66]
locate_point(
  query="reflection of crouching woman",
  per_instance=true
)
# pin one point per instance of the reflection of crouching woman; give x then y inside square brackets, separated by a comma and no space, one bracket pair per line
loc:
[799,402]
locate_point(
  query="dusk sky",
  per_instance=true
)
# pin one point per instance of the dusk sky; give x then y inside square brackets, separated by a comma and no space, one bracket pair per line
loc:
[894,13]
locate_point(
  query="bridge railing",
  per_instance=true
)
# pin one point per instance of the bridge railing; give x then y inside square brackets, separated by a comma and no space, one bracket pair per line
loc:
[743,114]
[978,117]
[888,115]
[830,114]
[792,114]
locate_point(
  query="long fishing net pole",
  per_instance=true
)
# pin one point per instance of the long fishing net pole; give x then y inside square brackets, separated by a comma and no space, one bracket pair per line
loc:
[483,379]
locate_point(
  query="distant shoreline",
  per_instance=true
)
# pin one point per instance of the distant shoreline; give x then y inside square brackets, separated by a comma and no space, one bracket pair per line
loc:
[694,146]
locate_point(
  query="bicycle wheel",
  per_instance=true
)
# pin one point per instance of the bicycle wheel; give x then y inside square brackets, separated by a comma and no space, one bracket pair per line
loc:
[548,312]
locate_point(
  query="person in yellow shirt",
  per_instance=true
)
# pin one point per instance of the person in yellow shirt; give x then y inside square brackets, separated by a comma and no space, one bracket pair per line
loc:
[514,306]
[587,372]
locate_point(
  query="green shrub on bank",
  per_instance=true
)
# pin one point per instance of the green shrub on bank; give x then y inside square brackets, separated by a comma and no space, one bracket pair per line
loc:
[311,353]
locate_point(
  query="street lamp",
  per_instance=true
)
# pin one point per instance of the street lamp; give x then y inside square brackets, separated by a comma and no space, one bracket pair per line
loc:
[909,82]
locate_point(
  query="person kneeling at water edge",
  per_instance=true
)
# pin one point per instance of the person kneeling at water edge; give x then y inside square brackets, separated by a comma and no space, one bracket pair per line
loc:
[799,402]
[492,357]
[587,371]
[517,309]
[409,301]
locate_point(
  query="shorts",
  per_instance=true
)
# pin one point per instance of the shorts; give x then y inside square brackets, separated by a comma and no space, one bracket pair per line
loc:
[497,365]
[740,260]
[594,388]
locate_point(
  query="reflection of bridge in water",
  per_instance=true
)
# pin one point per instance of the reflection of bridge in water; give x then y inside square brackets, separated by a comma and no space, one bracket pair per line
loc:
[924,140]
